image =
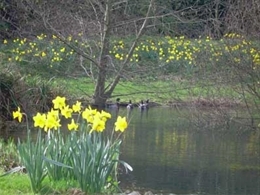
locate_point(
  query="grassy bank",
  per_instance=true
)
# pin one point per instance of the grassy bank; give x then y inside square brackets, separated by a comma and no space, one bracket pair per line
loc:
[160,91]
[19,183]
[163,69]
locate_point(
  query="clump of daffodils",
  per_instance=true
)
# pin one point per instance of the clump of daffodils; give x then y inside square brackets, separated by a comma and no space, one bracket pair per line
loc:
[51,120]
[87,157]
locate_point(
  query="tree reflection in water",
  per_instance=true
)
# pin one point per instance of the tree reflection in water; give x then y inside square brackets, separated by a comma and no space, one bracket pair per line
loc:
[172,151]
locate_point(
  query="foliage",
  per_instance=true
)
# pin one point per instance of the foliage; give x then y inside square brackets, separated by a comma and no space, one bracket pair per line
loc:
[31,157]
[170,54]
[233,59]
[191,18]
[85,154]
[7,100]
[36,55]
[9,155]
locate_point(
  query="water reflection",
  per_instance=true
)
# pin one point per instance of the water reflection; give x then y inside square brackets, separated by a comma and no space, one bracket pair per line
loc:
[175,151]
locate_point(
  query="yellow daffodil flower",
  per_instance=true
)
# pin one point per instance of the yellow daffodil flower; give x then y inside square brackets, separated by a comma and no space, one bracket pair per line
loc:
[59,102]
[73,125]
[117,56]
[51,123]
[121,124]
[69,38]
[88,114]
[17,114]
[104,115]
[39,120]
[98,124]
[43,54]
[76,107]
[66,112]
[54,113]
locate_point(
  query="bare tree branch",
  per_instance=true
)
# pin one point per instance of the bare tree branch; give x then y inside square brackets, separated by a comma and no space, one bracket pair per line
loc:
[130,52]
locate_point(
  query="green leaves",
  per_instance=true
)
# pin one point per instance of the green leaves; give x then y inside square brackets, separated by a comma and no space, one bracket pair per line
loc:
[31,153]
[57,156]
[85,155]
[94,160]
[89,158]
[14,170]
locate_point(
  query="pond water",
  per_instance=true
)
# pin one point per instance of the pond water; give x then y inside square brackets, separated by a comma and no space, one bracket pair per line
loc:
[189,151]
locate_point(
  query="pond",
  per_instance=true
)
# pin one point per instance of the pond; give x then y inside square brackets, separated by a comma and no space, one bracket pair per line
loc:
[190,151]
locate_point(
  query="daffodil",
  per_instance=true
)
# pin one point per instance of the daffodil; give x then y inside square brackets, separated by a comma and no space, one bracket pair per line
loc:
[66,112]
[88,114]
[121,124]
[39,120]
[98,124]
[17,114]
[51,123]
[104,115]
[54,113]
[59,102]
[73,125]
[69,38]
[43,54]
[62,49]
[76,107]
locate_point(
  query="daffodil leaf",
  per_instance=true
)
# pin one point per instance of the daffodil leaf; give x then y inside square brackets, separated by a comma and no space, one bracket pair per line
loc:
[56,163]
[14,170]
[126,165]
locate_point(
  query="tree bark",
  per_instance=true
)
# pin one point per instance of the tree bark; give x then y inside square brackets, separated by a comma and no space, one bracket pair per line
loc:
[102,93]
[99,94]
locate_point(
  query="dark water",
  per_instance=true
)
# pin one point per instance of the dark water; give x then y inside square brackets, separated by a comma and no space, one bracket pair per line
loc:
[191,152]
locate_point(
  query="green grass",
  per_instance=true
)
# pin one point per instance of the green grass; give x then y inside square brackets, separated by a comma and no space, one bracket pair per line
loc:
[19,183]
[15,184]
[156,63]
[157,91]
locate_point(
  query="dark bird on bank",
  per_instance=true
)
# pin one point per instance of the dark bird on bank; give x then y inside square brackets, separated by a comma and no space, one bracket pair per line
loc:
[115,105]
[130,105]
[144,105]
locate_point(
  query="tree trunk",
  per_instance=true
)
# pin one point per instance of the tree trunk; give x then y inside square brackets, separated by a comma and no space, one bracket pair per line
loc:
[102,93]
[99,94]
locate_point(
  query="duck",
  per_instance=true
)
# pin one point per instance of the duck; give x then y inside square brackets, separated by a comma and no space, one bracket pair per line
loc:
[115,105]
[144,105]
[130,105]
